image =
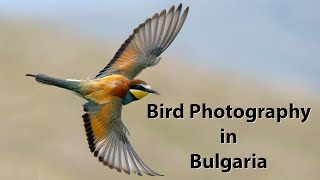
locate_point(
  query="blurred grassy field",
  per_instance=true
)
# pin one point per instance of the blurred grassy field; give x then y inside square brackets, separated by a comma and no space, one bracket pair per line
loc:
[42,135]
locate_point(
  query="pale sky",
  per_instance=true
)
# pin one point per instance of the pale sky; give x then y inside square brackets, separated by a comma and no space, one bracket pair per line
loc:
[266,38]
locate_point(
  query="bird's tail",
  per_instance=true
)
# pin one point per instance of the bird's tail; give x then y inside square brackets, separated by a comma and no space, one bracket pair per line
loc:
[73,85]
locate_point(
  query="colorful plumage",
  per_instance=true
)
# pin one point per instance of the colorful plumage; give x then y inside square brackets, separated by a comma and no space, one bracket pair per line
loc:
[115,86]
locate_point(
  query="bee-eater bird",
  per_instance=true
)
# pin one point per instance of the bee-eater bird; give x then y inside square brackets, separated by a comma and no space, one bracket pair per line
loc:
[115,86]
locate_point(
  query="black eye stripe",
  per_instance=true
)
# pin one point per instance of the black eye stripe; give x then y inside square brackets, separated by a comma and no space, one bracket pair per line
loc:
[138,87]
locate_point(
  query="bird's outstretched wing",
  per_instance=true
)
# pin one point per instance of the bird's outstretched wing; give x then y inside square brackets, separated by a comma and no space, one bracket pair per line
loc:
[106,135]
[143,48]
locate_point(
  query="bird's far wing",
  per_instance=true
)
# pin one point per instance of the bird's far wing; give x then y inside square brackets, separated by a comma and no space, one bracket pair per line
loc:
[143,48]
[106,135]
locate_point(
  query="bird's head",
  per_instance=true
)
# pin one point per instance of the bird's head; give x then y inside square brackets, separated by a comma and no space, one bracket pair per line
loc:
[138,90]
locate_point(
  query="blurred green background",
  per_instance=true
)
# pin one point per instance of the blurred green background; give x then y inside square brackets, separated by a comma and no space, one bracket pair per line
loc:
[242,53]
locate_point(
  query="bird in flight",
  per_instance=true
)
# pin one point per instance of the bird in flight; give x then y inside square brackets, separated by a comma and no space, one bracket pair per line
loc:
[116,86]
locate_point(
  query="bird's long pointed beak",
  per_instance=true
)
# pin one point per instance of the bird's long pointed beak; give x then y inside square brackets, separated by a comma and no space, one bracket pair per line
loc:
[152,91]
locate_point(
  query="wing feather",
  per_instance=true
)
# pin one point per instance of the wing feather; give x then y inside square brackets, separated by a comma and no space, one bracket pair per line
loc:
[154,27]
[107,137]
[148,41]
[179,26]
[126,168]
[162,20]
[174,23]
[167,25]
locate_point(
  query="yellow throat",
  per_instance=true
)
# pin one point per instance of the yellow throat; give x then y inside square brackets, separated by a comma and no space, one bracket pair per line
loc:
[138,93]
